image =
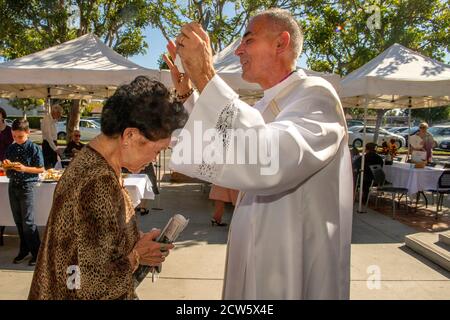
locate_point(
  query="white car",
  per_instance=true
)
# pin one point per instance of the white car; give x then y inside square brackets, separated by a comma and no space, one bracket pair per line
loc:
[89,129]
[356,136]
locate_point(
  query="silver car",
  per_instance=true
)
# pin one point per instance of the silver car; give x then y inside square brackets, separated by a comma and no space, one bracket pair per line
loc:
[440,134]
[356,136]
[89,129]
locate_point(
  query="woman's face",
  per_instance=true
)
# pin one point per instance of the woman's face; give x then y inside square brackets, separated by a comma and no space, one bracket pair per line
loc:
[138,151]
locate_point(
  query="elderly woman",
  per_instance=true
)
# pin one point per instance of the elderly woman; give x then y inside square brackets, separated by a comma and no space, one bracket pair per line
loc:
[428,142]
[92,245]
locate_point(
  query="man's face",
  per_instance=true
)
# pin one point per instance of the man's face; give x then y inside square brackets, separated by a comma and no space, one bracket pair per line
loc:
[19,136]
[56,115]
[257,51]
[76,136]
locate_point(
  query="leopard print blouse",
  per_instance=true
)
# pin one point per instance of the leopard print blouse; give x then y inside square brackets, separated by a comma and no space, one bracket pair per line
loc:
[90,231]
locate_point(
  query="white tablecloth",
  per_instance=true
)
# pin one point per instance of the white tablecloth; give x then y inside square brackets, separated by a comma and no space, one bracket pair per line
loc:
[404,176]
[138,186]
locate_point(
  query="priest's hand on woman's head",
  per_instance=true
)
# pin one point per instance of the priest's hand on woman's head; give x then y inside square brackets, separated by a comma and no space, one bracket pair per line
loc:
[152,253]
[181,82]
[194,48]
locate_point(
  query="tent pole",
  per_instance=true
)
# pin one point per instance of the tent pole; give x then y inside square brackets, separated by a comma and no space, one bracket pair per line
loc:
[363,155]
[49,97]
[409,126]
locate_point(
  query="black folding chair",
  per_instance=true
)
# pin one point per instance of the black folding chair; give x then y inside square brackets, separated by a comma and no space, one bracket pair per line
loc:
[442,188]
[378,186]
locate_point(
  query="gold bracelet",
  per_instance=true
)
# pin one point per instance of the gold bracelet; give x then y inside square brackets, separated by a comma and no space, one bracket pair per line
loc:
[186,95]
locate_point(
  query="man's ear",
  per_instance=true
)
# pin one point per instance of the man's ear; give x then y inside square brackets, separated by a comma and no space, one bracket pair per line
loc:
[283,42]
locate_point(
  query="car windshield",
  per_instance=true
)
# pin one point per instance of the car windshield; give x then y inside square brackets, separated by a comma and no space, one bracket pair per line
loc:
[434,130]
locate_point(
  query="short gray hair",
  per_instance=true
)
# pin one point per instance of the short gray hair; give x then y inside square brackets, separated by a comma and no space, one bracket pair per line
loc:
[284,21]
[57,108]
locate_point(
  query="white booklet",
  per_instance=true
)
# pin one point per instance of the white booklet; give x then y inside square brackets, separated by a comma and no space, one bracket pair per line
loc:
[169,234]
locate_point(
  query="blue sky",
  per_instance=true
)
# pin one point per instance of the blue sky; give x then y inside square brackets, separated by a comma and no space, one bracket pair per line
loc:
[157,46]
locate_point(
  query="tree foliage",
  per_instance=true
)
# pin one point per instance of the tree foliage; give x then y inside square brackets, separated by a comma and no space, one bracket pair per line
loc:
[430,115]
[26,105]
[338,38]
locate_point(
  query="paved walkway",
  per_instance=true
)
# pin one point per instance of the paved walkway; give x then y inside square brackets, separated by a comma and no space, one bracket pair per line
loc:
[194,270]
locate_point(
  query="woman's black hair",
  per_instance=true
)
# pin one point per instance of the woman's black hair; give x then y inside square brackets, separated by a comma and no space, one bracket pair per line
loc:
[144,104]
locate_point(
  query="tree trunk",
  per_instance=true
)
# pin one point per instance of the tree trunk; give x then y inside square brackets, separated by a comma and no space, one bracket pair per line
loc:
[73,118]
[380,114]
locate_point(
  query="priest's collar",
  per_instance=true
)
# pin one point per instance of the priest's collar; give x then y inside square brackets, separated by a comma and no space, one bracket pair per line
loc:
[270,93]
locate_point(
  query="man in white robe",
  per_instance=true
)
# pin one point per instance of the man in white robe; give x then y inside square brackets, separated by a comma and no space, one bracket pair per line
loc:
[290,233]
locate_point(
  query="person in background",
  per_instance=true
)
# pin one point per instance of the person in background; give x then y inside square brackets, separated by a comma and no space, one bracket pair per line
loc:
[6,137]
[371,158]
[221,195]
[22,180]
[49,136]
[428,142]
[74,146]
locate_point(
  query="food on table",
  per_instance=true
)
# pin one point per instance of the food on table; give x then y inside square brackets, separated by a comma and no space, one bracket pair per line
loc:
[52,174]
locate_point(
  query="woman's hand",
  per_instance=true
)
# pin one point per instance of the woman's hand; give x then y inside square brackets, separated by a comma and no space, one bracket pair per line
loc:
[181,81]
[152,253]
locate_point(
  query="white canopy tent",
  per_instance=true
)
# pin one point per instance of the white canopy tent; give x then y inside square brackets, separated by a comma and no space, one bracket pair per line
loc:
[397,78]
[228,66]
[81,68]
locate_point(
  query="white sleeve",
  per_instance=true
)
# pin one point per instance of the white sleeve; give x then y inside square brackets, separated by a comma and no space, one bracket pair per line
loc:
[190,101]
[46,132]
[281,154]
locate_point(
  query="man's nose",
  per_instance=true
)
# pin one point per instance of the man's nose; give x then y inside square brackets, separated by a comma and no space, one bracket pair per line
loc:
[238,50]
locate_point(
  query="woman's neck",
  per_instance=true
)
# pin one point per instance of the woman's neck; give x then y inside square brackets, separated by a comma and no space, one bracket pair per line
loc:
[109,148]
[2,126]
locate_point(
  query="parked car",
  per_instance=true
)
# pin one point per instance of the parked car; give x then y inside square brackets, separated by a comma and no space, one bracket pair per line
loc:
[356,136]
[96,119]
[396,130]
[88,129]
[445,144]
[352,123]
[404,133]
[440,133]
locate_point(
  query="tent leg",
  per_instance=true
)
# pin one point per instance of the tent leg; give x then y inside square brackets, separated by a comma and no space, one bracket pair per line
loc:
[360,207]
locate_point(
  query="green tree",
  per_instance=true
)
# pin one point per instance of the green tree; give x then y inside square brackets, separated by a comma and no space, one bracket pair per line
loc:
[430,115]
[26,105]
[338,38]
[27,26]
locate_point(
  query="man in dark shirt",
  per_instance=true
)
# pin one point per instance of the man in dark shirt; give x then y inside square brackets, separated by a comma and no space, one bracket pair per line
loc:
[371,158]
[74,146]
[25,162]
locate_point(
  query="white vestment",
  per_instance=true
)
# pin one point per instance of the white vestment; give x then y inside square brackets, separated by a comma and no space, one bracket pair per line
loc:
[290,233]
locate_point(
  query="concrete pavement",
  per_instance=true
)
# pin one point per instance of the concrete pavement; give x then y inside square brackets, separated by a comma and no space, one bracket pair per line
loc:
[381,266]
